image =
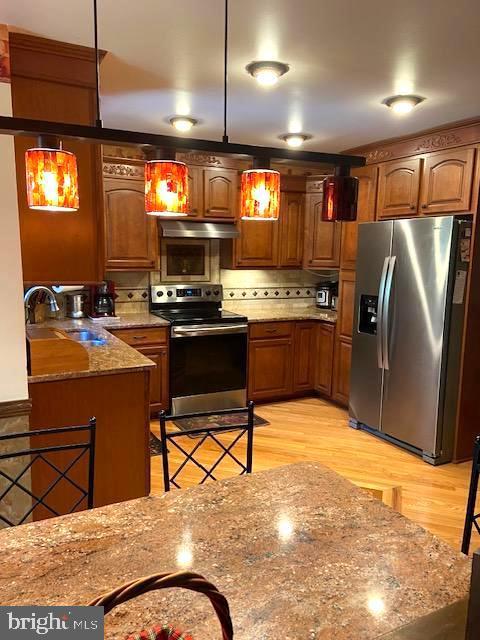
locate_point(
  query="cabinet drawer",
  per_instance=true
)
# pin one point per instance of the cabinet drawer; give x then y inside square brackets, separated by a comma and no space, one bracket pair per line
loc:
[142,336]
[271,330]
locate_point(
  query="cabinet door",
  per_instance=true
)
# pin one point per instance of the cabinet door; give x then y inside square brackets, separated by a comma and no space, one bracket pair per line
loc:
[346,302]
[322,239]
[270,368]
[341,370]
[195,191]
[257,245]
[220,189]
[303,364]
[291,230]
[130,234]
[159,393]
[367,192]
[398,188]
[325,334]
[447,181]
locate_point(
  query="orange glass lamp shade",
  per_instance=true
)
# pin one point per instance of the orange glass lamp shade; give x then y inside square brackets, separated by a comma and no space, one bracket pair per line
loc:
[52,180]
[340,194]
[260,194]
[166,188]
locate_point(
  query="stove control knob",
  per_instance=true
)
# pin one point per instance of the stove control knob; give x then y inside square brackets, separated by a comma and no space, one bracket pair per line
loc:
[169,294]
[159,294]
[208,293]
[216,292]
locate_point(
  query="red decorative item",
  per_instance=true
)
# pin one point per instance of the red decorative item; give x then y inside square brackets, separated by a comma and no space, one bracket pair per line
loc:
[182,579]
[166,188]
[340,199]
[52,180]
[260,194]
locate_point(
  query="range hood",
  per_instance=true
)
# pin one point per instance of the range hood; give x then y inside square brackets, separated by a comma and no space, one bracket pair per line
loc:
[209,230]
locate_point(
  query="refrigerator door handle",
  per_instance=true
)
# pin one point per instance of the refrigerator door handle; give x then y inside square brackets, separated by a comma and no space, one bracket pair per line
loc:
[386,311]
[380,310]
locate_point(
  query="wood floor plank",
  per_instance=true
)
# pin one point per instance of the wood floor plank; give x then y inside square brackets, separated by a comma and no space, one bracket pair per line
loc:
[312,429]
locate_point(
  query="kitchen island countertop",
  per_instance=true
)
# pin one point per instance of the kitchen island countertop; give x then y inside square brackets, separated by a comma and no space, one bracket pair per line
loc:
[298,551]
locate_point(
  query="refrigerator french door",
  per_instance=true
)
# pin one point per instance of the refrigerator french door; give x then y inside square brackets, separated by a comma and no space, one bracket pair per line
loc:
[408,324]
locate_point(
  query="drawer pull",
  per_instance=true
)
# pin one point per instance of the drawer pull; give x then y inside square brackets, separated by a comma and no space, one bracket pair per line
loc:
[139,337]
[270,330]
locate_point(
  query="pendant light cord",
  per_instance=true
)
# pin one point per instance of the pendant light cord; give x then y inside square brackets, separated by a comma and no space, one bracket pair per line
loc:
[97,63]
[225,76]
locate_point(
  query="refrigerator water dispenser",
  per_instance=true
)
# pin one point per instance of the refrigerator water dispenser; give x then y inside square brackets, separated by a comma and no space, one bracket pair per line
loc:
[367,316]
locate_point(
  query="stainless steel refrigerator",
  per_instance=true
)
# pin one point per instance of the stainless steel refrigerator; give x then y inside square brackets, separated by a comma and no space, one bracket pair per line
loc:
[408,325]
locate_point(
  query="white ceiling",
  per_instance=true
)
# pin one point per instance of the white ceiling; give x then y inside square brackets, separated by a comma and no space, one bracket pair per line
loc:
[166,57]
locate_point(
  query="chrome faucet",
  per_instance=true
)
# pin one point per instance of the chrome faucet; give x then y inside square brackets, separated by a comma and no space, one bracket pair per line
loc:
[32,291]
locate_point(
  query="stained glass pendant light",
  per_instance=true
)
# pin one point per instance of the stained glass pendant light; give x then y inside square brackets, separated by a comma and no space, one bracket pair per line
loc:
[166,186]
[51,177]
[340,193]
[260,194]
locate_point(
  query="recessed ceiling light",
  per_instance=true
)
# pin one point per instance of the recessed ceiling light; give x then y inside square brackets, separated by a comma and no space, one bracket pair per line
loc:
[183,123]
[402,104]
[267,72]
[295,139]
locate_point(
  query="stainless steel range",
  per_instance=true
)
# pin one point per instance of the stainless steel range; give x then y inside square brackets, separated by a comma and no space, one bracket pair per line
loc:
[208,348]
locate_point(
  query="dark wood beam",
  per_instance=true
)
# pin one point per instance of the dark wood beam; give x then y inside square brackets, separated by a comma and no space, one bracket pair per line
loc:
[102,135]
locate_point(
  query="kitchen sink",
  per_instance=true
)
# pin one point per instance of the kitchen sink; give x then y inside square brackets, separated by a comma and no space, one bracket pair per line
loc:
[85,335]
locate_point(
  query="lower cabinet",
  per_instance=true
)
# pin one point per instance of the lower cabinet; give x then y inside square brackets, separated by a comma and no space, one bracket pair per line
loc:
[289,358]
[341,370]
[159,393]
[325,339]
[153,343]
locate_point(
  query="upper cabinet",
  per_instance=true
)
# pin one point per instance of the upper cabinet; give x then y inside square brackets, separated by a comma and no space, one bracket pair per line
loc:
[447,181]
[131,237]
[398,188]
[195,191]
[257,245]
[322,239]
[56,81]
[367,192]
[220,193]
[291,230]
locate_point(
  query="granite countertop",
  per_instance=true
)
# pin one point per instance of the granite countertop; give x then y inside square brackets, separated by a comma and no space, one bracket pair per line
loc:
[108,355]
[298,551]
[283,312]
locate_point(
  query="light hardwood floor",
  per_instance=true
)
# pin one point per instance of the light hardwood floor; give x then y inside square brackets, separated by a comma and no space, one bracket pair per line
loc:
[313,429]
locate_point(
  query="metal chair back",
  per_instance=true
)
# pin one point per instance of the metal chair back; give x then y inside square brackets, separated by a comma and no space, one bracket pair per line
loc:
[204,434]
[472,519]
[45,455]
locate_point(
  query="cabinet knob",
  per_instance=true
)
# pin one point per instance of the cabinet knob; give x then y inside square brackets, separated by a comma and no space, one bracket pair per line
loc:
[424,206]
[412,206]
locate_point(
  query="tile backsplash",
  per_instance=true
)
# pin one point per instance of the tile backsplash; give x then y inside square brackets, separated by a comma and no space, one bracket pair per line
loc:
[259,286]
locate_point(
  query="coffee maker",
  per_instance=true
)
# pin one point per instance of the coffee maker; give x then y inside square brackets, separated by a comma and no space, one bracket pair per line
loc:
[327,293]
[102,300]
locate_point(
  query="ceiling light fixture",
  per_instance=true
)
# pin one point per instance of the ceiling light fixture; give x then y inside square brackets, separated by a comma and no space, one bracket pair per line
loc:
[51,177]
[267,72]
[402,104]
[183,123]
[340,193]
[295,140]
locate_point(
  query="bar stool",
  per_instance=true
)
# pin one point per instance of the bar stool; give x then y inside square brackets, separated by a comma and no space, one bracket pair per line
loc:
[471,519]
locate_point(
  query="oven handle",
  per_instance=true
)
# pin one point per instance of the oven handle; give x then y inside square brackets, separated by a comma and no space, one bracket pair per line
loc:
[189,332]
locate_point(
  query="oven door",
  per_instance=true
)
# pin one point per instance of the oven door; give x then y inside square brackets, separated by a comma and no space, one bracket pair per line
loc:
[208,367]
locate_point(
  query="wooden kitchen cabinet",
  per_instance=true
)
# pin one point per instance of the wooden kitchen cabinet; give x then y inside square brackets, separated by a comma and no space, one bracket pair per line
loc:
[131,236]
[367,193]
[322,239]
[195,191]
[304,356]
[291,230]
[323,370]
[398,188]
[220,192]
[270,368]
[346,302]
[257,245]
[447,179]
[341,370]
[159,391]
[55,81]
[153,343]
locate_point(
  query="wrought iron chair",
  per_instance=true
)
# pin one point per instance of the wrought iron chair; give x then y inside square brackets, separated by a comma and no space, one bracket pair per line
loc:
[46,455]
[471,518]
[204,434]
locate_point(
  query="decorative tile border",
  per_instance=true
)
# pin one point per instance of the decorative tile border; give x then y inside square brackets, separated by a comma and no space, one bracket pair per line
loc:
[275,293]
[131,294]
